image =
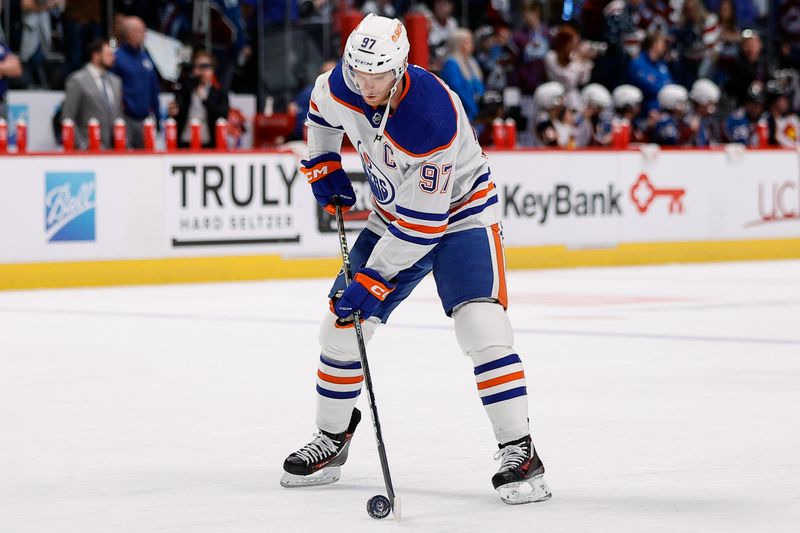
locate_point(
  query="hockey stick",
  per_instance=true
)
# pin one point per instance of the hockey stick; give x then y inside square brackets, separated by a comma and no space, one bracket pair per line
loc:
[362,351]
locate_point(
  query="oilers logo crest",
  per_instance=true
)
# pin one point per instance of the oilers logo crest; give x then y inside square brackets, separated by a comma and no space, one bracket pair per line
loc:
[381,187]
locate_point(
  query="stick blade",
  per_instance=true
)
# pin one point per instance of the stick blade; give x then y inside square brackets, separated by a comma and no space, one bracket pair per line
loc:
[396,508]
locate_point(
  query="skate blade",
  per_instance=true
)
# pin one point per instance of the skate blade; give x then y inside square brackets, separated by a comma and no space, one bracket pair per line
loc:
[326,476]
[530,490]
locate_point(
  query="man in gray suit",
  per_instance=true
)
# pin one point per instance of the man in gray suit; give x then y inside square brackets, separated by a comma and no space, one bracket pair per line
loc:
[94,92]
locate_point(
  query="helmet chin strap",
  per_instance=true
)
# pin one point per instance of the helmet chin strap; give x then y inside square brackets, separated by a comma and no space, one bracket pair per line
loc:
[379,135]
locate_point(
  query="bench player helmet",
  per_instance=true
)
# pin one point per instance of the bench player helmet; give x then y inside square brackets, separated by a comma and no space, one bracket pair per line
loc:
[548,95]
[596,95]
[704,92]
[673,97]
[627,96]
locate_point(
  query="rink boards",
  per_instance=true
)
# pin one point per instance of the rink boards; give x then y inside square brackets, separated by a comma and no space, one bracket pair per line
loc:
[68,220]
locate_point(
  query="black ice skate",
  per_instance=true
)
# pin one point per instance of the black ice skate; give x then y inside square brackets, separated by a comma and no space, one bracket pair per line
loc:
[319,462]
[520,478]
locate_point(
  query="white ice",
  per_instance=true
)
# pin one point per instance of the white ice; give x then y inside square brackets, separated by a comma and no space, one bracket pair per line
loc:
[662,399]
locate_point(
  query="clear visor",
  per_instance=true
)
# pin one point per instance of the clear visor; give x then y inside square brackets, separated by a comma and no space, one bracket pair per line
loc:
[370,86]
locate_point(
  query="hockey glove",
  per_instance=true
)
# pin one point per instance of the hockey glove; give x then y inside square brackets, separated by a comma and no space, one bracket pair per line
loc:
[366,292]
[329,182]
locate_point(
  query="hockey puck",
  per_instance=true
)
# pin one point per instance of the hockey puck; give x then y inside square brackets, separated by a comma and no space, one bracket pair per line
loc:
[379,507]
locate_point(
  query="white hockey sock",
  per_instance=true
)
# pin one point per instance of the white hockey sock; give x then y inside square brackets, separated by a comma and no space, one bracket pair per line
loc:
[501,387]
[484,333]
[338,387]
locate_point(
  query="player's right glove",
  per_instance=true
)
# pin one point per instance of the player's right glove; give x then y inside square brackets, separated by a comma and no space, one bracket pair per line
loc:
[329,182]
[366,292]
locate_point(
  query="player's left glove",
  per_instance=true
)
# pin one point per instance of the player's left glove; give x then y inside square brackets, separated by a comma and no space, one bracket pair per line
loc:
[329,182]
[364,294]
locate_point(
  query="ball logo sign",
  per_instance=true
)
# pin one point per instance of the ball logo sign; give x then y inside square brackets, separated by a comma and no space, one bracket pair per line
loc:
[69,206]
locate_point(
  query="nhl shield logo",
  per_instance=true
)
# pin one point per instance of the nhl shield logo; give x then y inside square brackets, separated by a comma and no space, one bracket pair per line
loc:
[376,118]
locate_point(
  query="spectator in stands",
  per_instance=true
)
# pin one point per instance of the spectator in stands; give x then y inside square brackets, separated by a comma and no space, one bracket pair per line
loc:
[623,39]
[462,73]
[288,59]
[656,16]
[730,34]
[199,96]
[140,85]
[36,39]
[442,24]
[81,22]
[695,40]
[569,62]
[782,122]
[301,103]
[228,42]
[649,72]
[10,67]
[704,96]
[94,92]
[750,66]
[744,11]
[555,124]
[531,43]
[741,126]
[671,128]
[495,57]
[175,19]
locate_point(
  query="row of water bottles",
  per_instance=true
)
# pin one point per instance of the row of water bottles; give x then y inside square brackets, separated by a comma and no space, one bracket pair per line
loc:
[120,137]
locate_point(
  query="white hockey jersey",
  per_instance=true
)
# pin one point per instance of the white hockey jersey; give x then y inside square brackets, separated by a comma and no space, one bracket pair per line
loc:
[428,174]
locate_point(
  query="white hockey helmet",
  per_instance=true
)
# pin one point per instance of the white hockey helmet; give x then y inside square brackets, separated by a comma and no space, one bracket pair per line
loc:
[596,95]
[673,97]
[704,92]
[548,95]
[627,96]
[377,45]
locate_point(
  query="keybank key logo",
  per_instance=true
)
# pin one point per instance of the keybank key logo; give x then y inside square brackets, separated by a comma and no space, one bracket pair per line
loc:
[69,206]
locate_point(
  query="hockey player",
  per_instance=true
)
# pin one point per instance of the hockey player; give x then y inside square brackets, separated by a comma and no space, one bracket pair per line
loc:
[742,125]
[555,124]
[671,128]
[704,95]
[434,209]
[627,106]
[594,124]
[782,122]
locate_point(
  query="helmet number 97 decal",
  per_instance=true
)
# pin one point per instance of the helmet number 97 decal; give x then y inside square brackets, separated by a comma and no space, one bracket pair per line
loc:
[367,43]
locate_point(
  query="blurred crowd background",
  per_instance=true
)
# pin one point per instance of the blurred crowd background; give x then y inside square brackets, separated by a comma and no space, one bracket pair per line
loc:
[678,72]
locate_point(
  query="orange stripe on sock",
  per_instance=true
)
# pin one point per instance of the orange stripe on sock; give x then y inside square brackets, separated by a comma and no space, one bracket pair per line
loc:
[502,293]
[339,381]
[502,379]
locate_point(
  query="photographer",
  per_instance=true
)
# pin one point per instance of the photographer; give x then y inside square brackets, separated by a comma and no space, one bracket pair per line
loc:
[199,96]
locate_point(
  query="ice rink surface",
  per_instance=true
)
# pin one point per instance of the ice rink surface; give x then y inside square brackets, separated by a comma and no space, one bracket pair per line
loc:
[662,399]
